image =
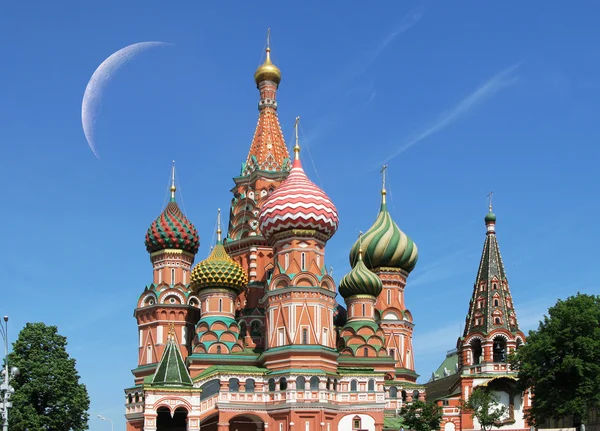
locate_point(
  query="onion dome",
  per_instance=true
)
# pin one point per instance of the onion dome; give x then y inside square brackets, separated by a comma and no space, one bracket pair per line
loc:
[360,281]
[490,217]
[267,71]
[172,229]
[385,245]
[298,204]
[218,270]
[340,315]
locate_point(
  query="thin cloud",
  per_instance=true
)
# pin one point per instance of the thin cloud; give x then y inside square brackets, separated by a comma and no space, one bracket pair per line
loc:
[499,81]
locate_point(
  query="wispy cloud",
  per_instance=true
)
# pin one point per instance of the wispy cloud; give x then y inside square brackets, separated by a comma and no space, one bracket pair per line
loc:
[499,81]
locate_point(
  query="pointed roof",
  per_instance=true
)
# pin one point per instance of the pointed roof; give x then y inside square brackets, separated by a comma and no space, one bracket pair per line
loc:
[171,370]
[268,151]
[491,306]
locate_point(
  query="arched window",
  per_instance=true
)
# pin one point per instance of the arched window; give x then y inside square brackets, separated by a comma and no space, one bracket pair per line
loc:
[220,305]
[364,309]
[218,350]
[393,392]
[137,397]
[303,261]
[286,261]
[271,385]
[282,384]
[366,351]
[494,286]
[496,302]
[304,336]
[497,320]
[393,353]
[172,275]
[353,385]
[371,385]
[242,330]
[184,276]
[476,351]
[250,385]
[389,296]
[234,385]
[335,385]
[415,395]
[356,423]
[300,383]
[129,399]
[328,384]
[499,349]
[314,383]
[318,260]
[403,396]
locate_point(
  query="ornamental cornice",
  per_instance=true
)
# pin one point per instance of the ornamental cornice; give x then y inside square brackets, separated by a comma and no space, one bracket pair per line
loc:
[299,233]
[172,252]
[300,292]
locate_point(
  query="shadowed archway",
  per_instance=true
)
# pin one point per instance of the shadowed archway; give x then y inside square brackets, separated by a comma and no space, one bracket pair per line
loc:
[246,422]
[166,422]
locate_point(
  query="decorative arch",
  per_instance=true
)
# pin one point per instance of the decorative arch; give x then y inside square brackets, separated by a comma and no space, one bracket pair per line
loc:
[305,279]
[164,402]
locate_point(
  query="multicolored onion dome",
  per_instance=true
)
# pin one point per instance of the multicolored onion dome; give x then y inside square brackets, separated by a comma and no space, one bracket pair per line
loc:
[218,270]
[360,281]
[340,315]
[267,71]
[298,204]
[172,230]
[385,245]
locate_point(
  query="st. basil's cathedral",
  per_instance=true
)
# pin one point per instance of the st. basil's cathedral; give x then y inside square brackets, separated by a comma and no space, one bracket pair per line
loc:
[252,338]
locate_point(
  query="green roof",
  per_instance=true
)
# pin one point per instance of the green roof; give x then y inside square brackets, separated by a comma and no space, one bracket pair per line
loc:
[357,324]
[230,369]
[392,423]
[171,370]
[449,365]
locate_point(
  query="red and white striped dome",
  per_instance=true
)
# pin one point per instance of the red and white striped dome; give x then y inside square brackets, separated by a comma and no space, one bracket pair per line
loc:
[298,204]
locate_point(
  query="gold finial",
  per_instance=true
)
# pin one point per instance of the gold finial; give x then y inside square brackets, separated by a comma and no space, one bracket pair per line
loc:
[383,192]
[173,188]
[490,194]
[267,71]
[219,225]
[360,234]
[297,146]
[171,334]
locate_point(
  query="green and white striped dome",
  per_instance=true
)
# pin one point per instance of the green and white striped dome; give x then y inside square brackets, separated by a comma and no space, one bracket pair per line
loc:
[384,245]
[360,281]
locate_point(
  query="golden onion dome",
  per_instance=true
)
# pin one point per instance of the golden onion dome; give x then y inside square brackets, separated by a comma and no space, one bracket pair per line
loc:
[219,271]
[267,71]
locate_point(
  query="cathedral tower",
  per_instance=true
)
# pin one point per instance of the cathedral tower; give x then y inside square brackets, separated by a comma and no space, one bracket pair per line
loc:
[298,219]
[172,241]
[267,164]
[391,255]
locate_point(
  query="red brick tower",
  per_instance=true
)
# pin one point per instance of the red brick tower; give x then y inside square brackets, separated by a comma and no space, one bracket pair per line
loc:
[267,164]
[298,219]
[172,241]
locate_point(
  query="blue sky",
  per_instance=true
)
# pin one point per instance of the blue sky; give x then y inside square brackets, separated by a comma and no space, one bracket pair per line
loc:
[458,98]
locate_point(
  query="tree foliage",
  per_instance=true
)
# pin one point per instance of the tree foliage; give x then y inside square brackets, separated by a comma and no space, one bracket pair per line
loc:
[484,405]
[422,416]
[48,395]
[560,361]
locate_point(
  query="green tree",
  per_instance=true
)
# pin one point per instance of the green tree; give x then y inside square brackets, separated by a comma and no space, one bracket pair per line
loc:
[48,395]
[559,363]
[421,416]
[484,405]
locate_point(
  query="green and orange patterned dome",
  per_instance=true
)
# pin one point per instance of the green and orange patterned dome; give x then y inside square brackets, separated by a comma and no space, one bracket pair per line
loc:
[172,230]
[384,245]
[360,281]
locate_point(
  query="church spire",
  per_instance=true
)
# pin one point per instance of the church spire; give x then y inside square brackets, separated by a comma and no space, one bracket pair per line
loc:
[268,152]
[173,188]
[491,304]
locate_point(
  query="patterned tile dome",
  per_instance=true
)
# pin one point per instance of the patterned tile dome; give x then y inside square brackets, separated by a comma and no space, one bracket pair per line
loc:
[384,245]
[218,270]
[298,204]
[360,281]
[172,230]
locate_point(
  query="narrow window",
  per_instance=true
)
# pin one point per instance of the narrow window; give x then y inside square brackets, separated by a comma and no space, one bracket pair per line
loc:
[318,260]
[495,286]
[304,336]
[301,383]
[366,351]
[393,353]
[371,385]
[496,302]
[307,426]
[159,276]
[282,384]
[172,275]
[149,355]
[250,383]
[303,261]
[280,427]
[353,386]
[184,276]
[356,423]
[389,296]
[287,261]
[325,335]
[497,320]
[141,337]
[218,350]
[280,336]
[159,335]
[364,310]
[220,305]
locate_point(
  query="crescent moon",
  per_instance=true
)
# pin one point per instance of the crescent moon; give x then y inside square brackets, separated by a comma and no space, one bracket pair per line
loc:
[103,74]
